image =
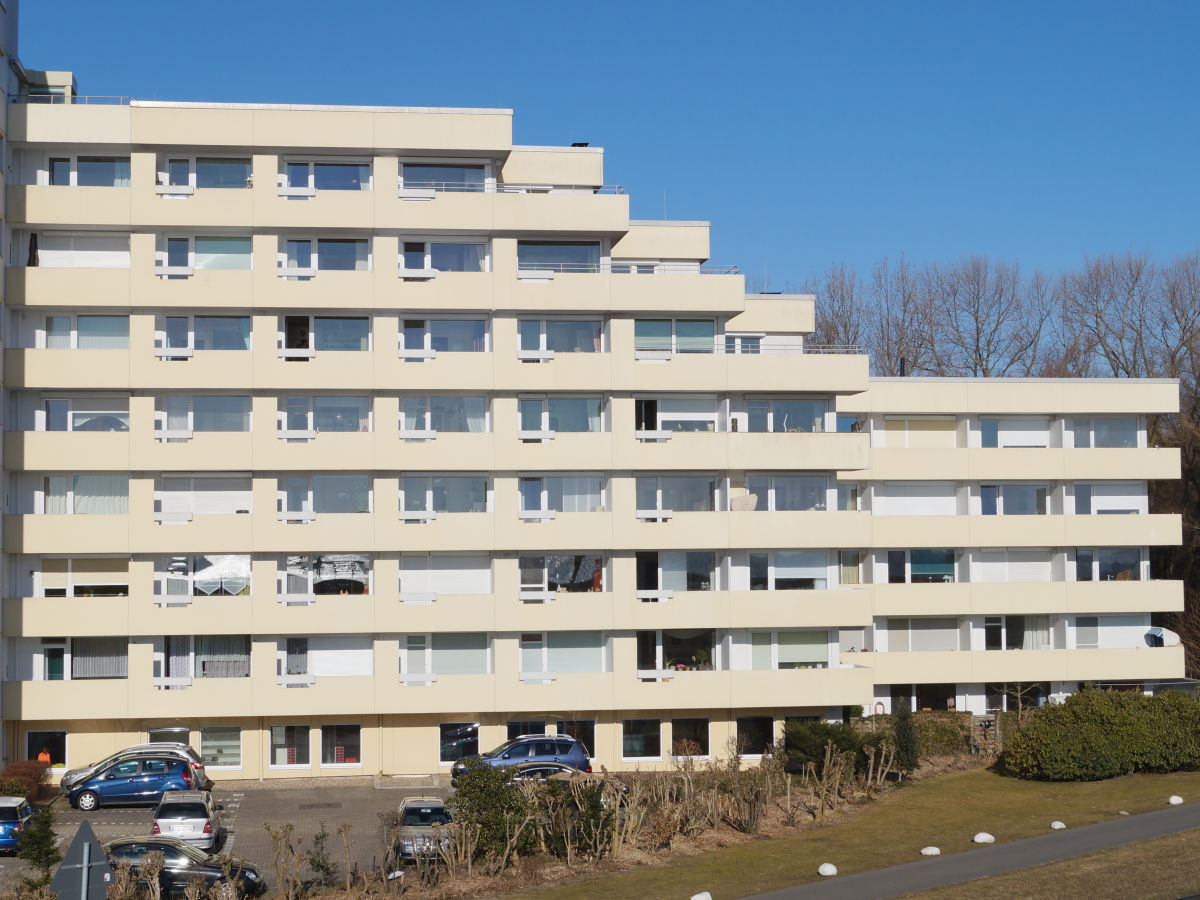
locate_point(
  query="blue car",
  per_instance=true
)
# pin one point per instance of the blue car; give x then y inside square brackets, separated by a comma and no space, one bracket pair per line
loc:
[15,812]
[531,748]
[133,781]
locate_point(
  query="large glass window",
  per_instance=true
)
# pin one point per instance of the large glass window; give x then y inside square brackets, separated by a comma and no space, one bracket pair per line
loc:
[559,256]
[456,740]
[222,656]
[86,494]
[328,176]
[786,415]
[86,414]
[460,653]
[217,332]
[641,739]
[689,737]
[340,413]
[341,745]
[343,254]
[221,745]
[342,333]
[676,570]
[755,735]
[932,566]
[48,746]
[444,494]
[788,570]
[561,493]
[98,333]
[583,730]
[560,414]
[676,493]
[204,575]
[215,172]
[561,335]
[444,412]
[444,335]
[289,745]
[220,413]
[788,493]
[106,657]
[341,493]
[570,573]
[221,253]
[444,177]
[324,574]
[677,335]
[99,171]
[1013,499]
[1105,431]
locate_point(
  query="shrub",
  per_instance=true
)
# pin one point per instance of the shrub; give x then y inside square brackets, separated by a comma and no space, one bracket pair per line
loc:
[1101,734]
[24,777]
[38,846]
[805,743]
[942,733]
[904,734]
[484,798]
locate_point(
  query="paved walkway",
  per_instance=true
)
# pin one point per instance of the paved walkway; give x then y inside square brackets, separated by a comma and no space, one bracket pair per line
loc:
[938,871]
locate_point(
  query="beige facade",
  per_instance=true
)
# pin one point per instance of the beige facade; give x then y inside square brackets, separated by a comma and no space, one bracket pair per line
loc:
[344,440]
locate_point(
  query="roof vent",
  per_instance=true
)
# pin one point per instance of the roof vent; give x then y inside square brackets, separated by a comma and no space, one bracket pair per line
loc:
[580,144]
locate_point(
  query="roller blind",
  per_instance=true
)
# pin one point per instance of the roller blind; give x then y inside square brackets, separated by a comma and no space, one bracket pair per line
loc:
[92,251]
[342,655]
[220,496]
[1028,565]
[1025,432]
[760,649]
[803,648]
[460,654]
[575,651]
[1118,496]
[933,634]
[920,498]
[105,657]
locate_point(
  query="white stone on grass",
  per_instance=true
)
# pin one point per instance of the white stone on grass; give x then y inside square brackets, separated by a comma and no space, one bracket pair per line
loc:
[984,838]
[1174,799]
[827,869]
[930,851]
[702,896]
[1057,825]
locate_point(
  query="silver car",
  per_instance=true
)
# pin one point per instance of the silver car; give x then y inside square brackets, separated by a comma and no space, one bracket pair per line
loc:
[423,825]
[72,777]
[189,816]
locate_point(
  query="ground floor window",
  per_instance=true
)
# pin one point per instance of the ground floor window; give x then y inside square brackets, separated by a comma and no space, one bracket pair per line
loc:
[755,735]
[1016,695]
[289,745]
[47,746]
[583,730]
[341,745]
[221,745]
[641,738]
[458,739]
[177,734]
[527,726]
[689,737]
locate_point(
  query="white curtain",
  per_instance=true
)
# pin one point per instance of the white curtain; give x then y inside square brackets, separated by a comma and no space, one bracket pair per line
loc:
[225,573]
[1037,633]
[223,656]
[105,657]
[574,493]
[102,495]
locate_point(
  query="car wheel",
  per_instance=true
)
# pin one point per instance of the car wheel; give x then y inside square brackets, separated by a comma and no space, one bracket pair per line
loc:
[87,801]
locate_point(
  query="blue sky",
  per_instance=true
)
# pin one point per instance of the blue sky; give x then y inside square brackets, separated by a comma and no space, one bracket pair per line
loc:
[808,133]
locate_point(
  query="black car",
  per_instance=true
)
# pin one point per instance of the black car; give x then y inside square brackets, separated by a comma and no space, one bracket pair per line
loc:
[182,864]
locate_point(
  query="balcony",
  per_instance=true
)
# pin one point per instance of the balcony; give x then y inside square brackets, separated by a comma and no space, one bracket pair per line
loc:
[1025,598]
[1024,531]
[65,369]
[970,666]
[741,450]
[1022,464]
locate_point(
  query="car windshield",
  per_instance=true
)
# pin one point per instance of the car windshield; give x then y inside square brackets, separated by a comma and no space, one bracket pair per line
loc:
[503,747]
[182,811]
[426,815]
[9,814]
[192,853]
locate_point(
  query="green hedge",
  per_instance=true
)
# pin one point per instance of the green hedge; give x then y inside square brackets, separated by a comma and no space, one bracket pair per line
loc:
[1101,734]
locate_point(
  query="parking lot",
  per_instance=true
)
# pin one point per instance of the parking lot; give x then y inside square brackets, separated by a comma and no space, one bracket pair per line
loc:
[304,802]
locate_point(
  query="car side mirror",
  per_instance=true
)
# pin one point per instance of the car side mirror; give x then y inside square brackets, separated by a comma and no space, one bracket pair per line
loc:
[505,756]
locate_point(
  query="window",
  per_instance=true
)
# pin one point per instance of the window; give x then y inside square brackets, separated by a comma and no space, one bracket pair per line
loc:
[85,414]
[443,177]
[445,573]
[337,413]
[84,577]
[194,333]
[217,172]
[211,575]
[180,415]
[1015,432]
[89,171]
[848,496]
[920,566]
[460,653]
[755,735]
[674,335]
[86,332]
[915,498]
[641,739]
[1111,498]
[573,651]
[1015,565]
[675,570]
[424,338]
[558,256]
[561,493]
[443,494]
[80,250]
[789,570]
[105,657]
[919,433]
[566,573]
[918,635]
[1087,632]
[518,729]
[86,495]
[1015,633]
[850,566]
[1108,564]
[676,493]
[1017,695]
[1105,431]
[176,256]
[326,175]
[748,344]
[443,413]
[807,416]
[692,413]
[443,256]
[222,656]
[851,424]
[43,744]
[560,335]
[289,745]
[789,649]
[221,746]
[341,745]
[583,730]
[551,415]
[180,497]
[689,737]
[301,335]
[325,494]
[322,574]
[676,649]
[456,740]
[1013,499]
[788,493]
[414,656]
[301,257]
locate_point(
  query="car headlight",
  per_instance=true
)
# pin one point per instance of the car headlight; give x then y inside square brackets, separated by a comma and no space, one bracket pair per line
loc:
[250,876]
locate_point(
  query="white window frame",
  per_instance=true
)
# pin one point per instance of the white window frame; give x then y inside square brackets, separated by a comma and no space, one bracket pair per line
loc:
[162,351]
[42,329]
[428,513]
[241,748]
[541,593]
[771,567]
[427,272]
[771,476]
[541,675]
[162,433]
[321,729]
[308,740]
[543,512]
[310,431]
[39,585]
[541,353]
[314,240]
[720,488]
[774,633]
[662,595]
[1138,424]
[425,431]
[310,352]
[669,353]
[659,719]
[304,516]
[739,338]
[544,433]
[162,174]
[40,419]
[660,433]
[1049,486]
[1072,571]
[43,172]
[308,597]
[907,551]
[426,350]
[41,491]
[771,401]
[408,675]
[658,673]
[427,193]
[310,190]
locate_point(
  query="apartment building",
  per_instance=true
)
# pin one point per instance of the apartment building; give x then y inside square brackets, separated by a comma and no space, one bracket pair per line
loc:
[345,440]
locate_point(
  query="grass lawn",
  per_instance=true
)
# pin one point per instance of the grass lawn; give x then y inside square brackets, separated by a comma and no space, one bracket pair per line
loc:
[1160,869]
[946,812]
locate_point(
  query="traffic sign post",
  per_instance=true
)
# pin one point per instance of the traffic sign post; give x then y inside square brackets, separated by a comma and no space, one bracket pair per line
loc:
[85,870]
